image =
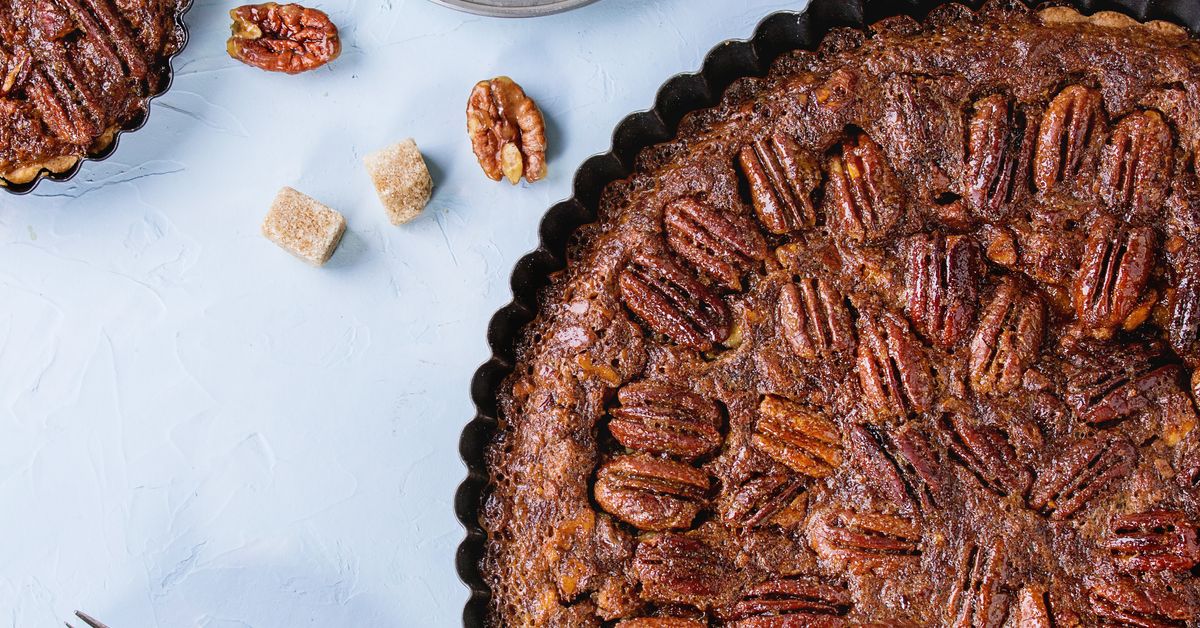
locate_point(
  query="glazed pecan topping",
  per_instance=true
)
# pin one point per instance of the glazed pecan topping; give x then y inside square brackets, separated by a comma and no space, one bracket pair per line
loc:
[663,419]
[1154,541]
[814,318]
[1183,327]
[1135,168]
[986,453]
[863,197]
[1034,609]
[673,303]
[759,500]
[1082,473]
[892,366]
[999,147]
[799,601]
[782,180]
[864,541]
[1188,475]
[1069,139]
[1115,268]
[904,468]
[677,568]
[1007,340]
[651,493]
[1128,602]
[1112,391]
[661,622]
[941,280]
[721,244]
[797,437]
[976,598]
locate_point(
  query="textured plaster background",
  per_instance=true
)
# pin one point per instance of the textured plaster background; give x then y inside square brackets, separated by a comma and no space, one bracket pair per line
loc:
[197,429]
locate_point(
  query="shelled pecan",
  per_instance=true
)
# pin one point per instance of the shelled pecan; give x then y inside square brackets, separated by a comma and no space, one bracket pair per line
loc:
[814,318]
[722,245]
[1083,472]
[942,286]
[1007,339]
[1135,168]
[782,179]
[999,150]
[863,198]
[797,437]
[892,366]
[664,419]
[1069,140]
[673,303]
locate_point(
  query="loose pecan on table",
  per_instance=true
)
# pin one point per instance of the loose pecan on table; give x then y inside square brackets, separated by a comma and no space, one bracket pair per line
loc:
[942,290]
[863,199]
[1069,140]
[782,179]
[723,245]
[814,318]
[892,367]
[1007,339]
[1135,169]
[673,303]
[999,148]
[651,493]
[796,601]
[1081,473]
[663,419]
[1115,269]
[283,37]
[1154,541]
[508,133]
[797,437]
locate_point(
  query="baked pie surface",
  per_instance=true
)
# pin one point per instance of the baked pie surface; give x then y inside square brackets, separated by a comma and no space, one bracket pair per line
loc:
[902,334]
[73,73]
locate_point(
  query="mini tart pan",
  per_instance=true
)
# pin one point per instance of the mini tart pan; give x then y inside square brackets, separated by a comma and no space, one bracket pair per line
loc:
[682,94]
[65,168]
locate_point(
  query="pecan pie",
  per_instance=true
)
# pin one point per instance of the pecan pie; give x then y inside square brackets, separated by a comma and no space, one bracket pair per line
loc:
[73,72]
[905,333]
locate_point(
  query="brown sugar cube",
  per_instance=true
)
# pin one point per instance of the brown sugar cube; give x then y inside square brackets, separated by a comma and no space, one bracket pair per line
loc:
[303,226]
[401,179]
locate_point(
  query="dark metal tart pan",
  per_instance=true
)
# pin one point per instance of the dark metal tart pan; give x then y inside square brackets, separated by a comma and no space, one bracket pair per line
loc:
[682,94]
[129,127]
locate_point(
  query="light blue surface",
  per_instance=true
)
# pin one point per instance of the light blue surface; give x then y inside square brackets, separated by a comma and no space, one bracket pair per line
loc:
[197,429]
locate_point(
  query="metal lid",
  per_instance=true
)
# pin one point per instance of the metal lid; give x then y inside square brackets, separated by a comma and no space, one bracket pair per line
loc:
[513,8]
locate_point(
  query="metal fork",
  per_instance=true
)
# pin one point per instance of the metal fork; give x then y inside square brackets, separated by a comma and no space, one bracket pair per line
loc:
[87,619]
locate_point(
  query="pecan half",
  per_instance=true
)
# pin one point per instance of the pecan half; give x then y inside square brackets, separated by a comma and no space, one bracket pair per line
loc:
[863,197]
[1107,393]
[797,437]
[892,366]
[507,131]
[1131,603]
[814,318]
[903,467]
[976,599]
[1135,168]
[677,568]
[1035,609]
[942,286]
[862,542]
[721,244]
[661,622]
[782,179]
[673,303]
[1069,139]
[663,419]
[1188,469]
[1007,340]
[1080,474]
[651,493]
[283,37]
[799,601]
[757,501]
[1113,272]
[999,147]
[1154,541]
[1183,328]
[986,453]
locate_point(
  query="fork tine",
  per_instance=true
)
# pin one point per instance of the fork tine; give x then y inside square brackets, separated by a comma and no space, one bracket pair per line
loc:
[89,620]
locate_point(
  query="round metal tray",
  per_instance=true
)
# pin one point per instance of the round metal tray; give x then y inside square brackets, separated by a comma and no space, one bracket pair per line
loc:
[513,8]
